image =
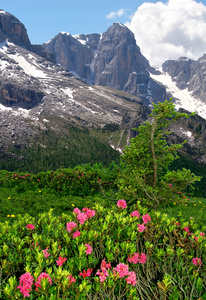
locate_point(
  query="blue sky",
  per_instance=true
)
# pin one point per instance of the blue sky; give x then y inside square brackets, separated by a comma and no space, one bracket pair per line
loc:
[45,18]
[163,29]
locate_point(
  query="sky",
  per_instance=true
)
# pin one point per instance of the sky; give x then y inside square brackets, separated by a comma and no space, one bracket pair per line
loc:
[163,29]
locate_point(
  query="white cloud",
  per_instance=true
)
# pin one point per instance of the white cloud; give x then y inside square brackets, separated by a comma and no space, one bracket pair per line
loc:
[115,14]
[171,30]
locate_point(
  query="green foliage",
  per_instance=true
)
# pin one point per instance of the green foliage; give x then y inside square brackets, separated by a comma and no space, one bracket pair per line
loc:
[50,151]
[35,193]
[146,175]
[166,270]
[195,167]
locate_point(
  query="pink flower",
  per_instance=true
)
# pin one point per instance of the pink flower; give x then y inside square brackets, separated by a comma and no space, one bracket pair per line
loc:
[141,227]
[82,217]
[105,265]
[85,209]
[43,276]
[26,281]
[131,279]
[137,258]
[202,234]
[90,213]
[88,249]
[196,261]
[122,269]
[30,226]
[86,273]
[46,254]
[76,234]
[122,204]
[77,211]
[146,218]
[186,229]
[103,273]
[71,225]
[71,279]
[195,238]
[143,258]
[134,259]
[135,214]
[60,261]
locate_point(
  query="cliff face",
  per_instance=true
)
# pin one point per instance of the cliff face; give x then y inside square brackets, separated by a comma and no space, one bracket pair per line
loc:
[187,73]
[74,53]
[13,30]
[112,60]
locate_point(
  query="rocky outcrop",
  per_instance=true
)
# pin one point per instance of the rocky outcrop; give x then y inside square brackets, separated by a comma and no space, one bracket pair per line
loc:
[39,49]
[12,95]
[13,30]
[189,74]
[72,53]
[112,60]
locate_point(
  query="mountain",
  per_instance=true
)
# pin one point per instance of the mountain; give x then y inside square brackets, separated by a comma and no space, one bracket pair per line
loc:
[112,59]
[42,104]
[13,30]
[49,117]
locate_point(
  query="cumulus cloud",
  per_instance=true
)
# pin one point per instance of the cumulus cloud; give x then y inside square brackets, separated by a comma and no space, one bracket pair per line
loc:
[115,14]
[171,30]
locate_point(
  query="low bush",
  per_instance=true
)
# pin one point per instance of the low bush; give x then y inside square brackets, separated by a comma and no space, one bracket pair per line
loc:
[102,253]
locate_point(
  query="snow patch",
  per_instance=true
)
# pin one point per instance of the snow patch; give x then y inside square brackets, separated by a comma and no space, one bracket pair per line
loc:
[64,32]
[188,133]
[91,88]
[27,67]
[68,92]
[2,107]
[184,97]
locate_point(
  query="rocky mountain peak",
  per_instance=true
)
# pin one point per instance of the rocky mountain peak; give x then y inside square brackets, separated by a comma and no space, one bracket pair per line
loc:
[13,30]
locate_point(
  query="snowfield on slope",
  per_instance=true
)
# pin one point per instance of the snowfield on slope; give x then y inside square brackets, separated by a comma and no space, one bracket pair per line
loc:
[184,97]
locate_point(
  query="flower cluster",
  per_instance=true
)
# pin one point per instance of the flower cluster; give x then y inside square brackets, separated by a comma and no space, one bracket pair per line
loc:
[26,281]
[76,234]
[41,277]
[71,225]
[146,218]
[45,252]
[137,258]
[86,273]
[141,227]
[71,279]
[88,249]
[196,261]
[135,214]
[123,270]
[103,273]
[60,261]
[83,216]
[30,226]
[122,204]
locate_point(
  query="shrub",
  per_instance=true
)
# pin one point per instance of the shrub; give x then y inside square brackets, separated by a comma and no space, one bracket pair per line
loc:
[100,253]
[146,175]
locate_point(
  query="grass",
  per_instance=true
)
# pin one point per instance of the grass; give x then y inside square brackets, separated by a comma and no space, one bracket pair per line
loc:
[41,200]
[34,202]
[194,208]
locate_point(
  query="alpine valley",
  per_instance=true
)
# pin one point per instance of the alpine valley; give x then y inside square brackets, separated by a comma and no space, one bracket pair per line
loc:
[75,99]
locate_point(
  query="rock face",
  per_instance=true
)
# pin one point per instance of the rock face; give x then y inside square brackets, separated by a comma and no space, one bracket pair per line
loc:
[13,30]
[189,74]
[74,53]
[112,60]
